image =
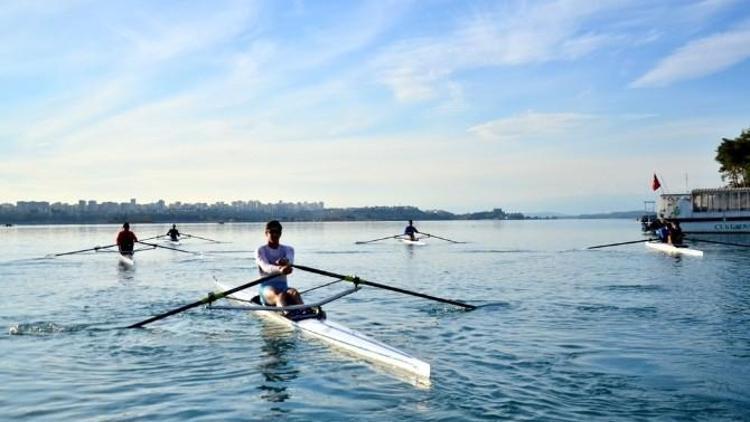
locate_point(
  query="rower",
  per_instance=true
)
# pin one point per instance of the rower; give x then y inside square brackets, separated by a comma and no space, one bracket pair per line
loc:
[675,236]
[410,230]
[275,258]
[173,233]
[126,240]
[662,232]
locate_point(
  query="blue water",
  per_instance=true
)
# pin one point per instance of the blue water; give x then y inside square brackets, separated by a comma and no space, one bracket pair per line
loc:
[562,333]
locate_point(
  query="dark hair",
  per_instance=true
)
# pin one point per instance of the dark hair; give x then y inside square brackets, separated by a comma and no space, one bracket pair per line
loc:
[126,225]
[273,225]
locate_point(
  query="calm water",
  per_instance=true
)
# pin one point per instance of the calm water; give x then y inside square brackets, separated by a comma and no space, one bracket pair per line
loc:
[566,334]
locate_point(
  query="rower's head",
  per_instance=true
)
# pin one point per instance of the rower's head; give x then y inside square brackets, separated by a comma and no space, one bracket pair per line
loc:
[411,222]
[126,226]
[174,226]
[273,232]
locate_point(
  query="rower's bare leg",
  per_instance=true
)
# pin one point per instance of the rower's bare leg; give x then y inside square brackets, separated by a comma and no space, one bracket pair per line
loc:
[272,297]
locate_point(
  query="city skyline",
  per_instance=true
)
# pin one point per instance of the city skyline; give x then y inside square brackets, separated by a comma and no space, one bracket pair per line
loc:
[566,106]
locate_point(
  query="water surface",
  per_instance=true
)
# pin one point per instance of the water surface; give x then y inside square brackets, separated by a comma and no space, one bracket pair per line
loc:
[562,333]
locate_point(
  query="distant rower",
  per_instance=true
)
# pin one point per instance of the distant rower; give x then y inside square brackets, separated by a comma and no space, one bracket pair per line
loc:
[173,233]
[410,230]
[126,240]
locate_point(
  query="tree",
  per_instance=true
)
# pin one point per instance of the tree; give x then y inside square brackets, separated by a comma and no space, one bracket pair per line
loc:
[734,157]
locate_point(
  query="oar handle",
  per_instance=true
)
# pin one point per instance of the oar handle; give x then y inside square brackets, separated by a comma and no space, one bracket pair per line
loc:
[357,280]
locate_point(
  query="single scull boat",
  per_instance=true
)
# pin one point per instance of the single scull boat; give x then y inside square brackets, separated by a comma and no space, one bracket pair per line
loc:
[417,242]
[317,325]
[673,250]
[126,260]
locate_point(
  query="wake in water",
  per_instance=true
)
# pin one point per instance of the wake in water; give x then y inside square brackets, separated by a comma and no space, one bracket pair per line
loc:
[43,328]
[47,328]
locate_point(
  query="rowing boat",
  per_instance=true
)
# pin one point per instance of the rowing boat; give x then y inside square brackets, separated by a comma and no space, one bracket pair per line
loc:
[673,250]
[417,242]
[317,325]
[173,242]
[126,260]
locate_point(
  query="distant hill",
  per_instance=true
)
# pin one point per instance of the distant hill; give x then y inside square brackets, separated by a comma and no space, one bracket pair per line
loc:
[615,214]
[547,214]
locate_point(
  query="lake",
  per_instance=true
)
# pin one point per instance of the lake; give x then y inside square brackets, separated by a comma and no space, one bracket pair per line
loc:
[561,332]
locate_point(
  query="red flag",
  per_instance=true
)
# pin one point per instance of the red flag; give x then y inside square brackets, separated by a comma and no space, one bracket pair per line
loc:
[655,184]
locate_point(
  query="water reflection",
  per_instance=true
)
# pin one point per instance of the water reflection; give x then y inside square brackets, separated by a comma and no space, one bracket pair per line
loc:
[277,368]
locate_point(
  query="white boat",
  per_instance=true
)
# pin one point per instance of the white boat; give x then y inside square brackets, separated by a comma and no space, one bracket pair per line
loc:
[126,260]
[338,335]
[172,242]
[417,242]
[723,210]
[673,250]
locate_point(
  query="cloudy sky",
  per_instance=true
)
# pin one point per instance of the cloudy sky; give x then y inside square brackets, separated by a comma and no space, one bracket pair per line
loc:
[564,106]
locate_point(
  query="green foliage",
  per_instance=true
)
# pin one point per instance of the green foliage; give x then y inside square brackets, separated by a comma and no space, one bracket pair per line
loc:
[734,157]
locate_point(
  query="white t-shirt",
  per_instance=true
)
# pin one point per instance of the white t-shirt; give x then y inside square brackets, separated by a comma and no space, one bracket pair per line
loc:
[266,258]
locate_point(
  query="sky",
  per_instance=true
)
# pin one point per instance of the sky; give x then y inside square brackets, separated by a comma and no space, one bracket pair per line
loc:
[530,106]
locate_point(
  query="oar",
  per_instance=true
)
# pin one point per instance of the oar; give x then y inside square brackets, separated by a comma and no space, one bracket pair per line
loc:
[618,244]
[95,248]
[441,238]
[167,247]
[395,236]
[718,242]
[356,280]
[213,296]
[202,238]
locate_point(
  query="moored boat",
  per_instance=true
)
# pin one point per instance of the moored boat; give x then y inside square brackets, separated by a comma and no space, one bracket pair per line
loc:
[317,325]
[672,249]
[724,210]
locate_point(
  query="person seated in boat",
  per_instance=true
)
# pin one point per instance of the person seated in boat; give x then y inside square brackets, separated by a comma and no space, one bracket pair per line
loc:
[676,236]
[662,232]
[275,258]
[126,240]
[410,230]
[653,226]
[173,233]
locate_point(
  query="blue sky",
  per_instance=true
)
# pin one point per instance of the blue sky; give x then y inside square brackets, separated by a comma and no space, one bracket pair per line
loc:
[568,106]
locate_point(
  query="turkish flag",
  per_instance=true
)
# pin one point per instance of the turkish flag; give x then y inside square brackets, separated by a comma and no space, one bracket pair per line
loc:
[655,184]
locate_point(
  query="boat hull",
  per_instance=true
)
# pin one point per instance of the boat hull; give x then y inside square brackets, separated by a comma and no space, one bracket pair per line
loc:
[413,242]
[126,260]
[673,250]
[346,339]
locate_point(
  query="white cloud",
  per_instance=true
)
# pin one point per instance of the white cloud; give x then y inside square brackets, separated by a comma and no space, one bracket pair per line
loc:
[414,68]
[699,58]
[530,125]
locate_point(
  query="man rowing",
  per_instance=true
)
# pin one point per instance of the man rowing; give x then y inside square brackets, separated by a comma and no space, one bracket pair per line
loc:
[275,258]
[410,230]
[173,233]
[126,240]
[675,235]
